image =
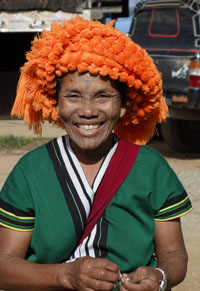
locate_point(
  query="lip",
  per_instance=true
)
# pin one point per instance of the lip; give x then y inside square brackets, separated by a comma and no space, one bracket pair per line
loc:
[89,132]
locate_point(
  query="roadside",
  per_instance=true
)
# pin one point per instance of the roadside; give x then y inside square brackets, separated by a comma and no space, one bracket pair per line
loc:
[187,167]
[18,127]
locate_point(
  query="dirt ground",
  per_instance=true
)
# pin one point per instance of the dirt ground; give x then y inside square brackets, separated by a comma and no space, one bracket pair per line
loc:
[187,167]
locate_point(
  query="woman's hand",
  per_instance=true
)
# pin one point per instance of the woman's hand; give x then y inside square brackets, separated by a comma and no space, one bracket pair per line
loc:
[89,273]
[144,279]
[16,273]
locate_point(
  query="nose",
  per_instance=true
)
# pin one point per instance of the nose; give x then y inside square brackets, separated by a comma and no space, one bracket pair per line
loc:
[88,109]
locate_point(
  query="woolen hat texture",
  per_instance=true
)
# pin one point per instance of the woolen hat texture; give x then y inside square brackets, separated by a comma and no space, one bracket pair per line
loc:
[90,46]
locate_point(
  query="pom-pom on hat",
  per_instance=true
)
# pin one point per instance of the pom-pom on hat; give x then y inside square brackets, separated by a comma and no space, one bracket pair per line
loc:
[90,46]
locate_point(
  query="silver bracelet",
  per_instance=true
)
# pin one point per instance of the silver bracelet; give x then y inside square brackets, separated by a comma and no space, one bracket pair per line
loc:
[163,273]
[163,282]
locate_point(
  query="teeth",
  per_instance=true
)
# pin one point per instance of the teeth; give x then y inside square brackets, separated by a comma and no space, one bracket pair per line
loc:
[88,127]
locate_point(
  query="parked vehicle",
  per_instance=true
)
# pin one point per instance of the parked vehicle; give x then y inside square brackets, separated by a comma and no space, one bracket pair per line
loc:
[170,32]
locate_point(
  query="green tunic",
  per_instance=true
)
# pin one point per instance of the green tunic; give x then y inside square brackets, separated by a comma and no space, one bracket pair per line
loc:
[32,199]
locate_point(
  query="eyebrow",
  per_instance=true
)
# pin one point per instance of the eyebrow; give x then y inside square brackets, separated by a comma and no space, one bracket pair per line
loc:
[100,91]
[106,91]
[71,91]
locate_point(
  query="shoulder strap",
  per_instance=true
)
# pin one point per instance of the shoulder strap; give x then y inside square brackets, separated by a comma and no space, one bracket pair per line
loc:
[118,169]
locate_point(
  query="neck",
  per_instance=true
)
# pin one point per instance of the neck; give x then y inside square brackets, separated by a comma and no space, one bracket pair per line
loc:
[94,156]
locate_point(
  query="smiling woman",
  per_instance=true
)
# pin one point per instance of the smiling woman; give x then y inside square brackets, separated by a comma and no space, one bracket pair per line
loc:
[107,207]
[89,107]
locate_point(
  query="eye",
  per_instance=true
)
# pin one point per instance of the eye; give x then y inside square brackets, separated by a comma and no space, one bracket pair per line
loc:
[72,96]
[104,97]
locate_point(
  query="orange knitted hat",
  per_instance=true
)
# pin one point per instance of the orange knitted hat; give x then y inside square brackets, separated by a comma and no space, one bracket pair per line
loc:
[90,46]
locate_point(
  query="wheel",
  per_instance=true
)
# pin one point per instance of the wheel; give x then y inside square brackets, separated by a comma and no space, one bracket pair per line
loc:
[182,135]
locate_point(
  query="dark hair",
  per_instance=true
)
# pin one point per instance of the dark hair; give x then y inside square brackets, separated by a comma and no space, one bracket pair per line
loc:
[122,87]
[58,85]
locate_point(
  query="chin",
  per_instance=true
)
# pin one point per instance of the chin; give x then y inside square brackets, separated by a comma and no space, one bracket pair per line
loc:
[89,143]
[90,146]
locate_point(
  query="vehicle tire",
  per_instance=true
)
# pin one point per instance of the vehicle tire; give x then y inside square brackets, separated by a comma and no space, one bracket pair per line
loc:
[182,135]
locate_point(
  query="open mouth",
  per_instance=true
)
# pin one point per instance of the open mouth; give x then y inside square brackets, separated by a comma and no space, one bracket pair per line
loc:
[89,127]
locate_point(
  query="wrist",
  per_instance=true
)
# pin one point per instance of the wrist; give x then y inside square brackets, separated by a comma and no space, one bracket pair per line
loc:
[162,280]
[65,276]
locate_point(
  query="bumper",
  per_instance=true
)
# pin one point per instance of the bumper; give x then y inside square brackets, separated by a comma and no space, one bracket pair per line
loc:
[184,106]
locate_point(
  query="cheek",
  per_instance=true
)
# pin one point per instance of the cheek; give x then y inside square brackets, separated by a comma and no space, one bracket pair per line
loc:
[113,111]
[64,110]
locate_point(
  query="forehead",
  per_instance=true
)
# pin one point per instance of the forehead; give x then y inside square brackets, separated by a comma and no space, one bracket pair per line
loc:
[76,80]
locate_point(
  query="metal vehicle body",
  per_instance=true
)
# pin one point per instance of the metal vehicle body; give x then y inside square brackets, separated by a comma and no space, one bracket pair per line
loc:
[170,32]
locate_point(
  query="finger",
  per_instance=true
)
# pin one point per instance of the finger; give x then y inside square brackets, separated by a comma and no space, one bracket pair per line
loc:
[129,285]
[93,284]
[134,277]
[88,264]
[105,275]
[100,285]
[89,272]
[121,287]
[107,264]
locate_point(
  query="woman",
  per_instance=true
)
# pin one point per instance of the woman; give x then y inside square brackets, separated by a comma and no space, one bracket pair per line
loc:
[106,207]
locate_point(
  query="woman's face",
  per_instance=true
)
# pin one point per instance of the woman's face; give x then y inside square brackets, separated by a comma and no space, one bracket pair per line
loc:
[89,107]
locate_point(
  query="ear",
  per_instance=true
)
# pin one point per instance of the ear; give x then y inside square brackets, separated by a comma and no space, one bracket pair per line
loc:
[122,111]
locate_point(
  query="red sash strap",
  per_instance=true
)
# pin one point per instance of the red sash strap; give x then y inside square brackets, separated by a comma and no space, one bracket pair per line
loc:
[118,169]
